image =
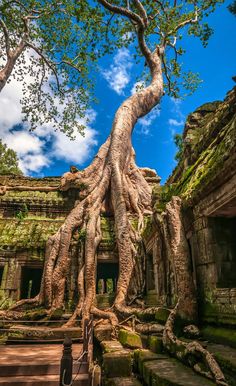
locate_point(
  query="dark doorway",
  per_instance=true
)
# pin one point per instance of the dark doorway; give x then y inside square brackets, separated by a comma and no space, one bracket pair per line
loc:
[107,275]
[150,278]
[30,282]
[224,250]
[1,274]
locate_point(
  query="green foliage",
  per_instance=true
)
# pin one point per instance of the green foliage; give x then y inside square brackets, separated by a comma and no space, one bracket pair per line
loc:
[178,140]
[82,234]
[232,7]
[64,41]
[23,213]
[8,160]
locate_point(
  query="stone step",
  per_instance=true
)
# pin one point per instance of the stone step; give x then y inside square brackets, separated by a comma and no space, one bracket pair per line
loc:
[39,380]
[226,357]
[131,381]
[157,369]
[8,370]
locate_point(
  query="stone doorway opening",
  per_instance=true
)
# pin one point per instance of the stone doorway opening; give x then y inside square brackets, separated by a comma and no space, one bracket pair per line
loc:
[224,249]
[30,282]
[107,276]
[150,276]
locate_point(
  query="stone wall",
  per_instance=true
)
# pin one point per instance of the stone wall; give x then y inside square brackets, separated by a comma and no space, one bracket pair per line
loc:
[27,219]
[205,179]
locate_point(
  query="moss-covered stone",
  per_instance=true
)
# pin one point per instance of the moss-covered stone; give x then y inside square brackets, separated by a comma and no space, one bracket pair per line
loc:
[117,364]
[35,314]
[57,314]
[220,335]
[26,234]
[111,346]
[162,315]
[171,372]
[218,313]
[142,356]
[155,343]
[130,339]
[104,300]
[131,381]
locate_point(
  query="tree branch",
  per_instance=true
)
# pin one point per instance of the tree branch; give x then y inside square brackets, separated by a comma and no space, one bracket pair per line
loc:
[139,24]
[142,11]
[166,74]
[122,11]
[69,64]
[6,36]
[184,23]
[50,65]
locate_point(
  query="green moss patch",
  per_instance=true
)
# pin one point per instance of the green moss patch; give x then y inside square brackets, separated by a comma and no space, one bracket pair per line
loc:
[130,339]
[111,346]
[117,364]
[162,315]
[220,335]
[26,234]
[155,343]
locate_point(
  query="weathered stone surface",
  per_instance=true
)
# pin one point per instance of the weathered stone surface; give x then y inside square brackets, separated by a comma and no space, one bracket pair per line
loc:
[111,346]
[130,339]
[155,343]
[162,315]
[171,372]
[226,357]
[142,356]
[102,332]
[117,364]
[131,381]
[220,335]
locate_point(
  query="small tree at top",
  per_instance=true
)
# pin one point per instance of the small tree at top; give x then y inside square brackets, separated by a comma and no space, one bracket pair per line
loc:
[9,163]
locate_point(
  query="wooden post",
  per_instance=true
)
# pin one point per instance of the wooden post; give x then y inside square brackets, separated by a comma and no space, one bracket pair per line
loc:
[66,363]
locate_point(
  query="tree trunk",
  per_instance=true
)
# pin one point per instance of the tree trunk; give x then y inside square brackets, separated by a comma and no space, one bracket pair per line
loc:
[113,176]
[12,57]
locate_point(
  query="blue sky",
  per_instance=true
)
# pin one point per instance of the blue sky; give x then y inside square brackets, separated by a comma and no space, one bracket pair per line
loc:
[46,153]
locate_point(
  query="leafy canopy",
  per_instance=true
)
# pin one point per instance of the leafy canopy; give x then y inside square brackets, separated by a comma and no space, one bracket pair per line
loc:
[8,160]
[64,41]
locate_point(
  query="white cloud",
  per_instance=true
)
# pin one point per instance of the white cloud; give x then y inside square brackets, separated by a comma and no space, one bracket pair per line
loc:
[38,149]
[148,120]
[174,122]
[179,118]
[118,74]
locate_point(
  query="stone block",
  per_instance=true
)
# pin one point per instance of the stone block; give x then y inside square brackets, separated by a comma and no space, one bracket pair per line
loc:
[117,364]
[143,356]
[131,381]
[111,346]
[155,343]
[102,332]
[162,315]
[171,372]
[225,336]
[130,339]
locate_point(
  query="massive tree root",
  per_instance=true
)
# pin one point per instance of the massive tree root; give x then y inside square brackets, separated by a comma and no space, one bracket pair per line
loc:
[112,180]
[191,353]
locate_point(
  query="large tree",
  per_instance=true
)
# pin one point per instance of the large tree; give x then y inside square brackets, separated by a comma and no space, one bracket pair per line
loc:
[113,180]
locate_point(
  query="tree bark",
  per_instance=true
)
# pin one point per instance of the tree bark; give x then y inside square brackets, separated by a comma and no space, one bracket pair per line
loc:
[12,57]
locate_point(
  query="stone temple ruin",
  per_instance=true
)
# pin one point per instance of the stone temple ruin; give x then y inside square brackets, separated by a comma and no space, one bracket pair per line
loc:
[205,182]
